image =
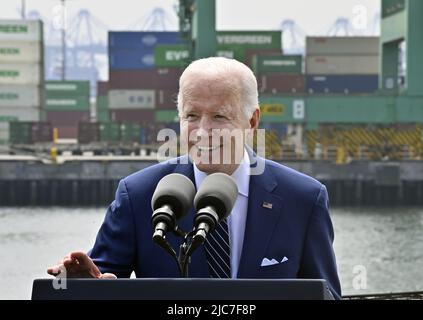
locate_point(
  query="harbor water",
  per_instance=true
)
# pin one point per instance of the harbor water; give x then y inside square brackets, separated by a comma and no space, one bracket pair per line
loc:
[378,250]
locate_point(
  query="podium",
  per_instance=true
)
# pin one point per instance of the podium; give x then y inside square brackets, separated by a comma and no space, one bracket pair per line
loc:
[180,289]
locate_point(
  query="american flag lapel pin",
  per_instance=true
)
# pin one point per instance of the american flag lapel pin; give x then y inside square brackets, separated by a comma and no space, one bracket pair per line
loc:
[267,205]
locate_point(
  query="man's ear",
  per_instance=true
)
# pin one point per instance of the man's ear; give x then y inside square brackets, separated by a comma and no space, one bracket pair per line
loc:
[255,119]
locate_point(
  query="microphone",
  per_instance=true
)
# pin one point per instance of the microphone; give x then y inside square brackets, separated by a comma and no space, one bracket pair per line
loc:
[170,202]
[214,202]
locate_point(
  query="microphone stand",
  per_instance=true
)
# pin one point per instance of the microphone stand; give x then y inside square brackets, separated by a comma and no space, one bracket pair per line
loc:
[185,249]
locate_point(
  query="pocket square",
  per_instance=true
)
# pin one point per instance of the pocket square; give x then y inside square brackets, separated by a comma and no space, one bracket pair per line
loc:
[285,259]
[266,262]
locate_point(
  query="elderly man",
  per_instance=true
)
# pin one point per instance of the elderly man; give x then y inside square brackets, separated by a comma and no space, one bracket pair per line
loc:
[279,227]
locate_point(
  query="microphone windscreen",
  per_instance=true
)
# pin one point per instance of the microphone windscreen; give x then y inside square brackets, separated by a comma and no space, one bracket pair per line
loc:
[218,190]
[175,190]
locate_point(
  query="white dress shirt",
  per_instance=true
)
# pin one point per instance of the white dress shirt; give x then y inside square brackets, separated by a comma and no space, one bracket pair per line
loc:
[238,216]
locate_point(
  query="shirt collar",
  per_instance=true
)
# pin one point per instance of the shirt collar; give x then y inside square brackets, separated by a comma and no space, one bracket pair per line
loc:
[241,175]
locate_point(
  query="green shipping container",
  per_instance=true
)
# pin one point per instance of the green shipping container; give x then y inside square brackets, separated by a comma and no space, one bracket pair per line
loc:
[102,103]
[109,132]
[103,116]
[167,116]
[263,64]
[20,132]
[235,52]
[130,132]
[67,88]
[351,109]
[286,109]
[250,39]
[391,7]
[170,56]
[81,103]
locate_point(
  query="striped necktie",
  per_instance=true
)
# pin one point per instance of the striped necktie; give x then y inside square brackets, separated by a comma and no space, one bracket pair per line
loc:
[218,251]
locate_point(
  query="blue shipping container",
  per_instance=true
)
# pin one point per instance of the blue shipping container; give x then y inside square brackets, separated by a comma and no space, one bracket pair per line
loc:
[141,40]
[342,84]
[127,59]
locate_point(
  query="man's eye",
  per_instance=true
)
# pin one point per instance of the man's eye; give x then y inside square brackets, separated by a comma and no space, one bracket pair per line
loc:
[220,117]
[191,116]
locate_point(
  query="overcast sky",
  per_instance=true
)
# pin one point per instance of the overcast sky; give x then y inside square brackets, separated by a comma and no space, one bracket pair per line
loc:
[314,17]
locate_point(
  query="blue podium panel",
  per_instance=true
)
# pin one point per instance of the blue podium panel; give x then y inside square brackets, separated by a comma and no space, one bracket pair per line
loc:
[180,289]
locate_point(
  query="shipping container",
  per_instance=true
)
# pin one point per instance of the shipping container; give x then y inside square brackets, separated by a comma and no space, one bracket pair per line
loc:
[20,73]
[275,83]
[127,59]
[71,103]
[42,132]
[167,116]
[283,109]
[130,132]
[102,102]
[237,53]
[322,46]
[102,116]
[21,30]
[250,53]
[102,88]
[20,96]
[4,133]
[263,64]
[342,84]
[20,114]
[131,99]
[330,65]
[132,116]
[166,99]
[170,56]
[30,132]
[12,51]
[109,131]
[250,39]
[162,78]
[67,132]
[64,118]
[391,7]
[88,132]
[142,39]
[67,89]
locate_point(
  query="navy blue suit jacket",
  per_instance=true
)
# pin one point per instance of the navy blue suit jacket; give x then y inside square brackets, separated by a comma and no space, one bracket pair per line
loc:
[297,226]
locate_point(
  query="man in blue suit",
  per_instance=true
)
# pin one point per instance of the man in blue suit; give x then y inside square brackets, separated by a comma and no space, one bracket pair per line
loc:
[279,227]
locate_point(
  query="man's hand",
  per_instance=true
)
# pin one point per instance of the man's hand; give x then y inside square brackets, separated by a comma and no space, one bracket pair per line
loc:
[79,265]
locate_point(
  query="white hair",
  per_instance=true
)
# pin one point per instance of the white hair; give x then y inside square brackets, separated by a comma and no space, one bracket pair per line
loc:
[240,80]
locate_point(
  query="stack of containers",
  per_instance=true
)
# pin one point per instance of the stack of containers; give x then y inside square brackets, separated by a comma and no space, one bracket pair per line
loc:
[342,64]
[67,104]
[21,73]
[278,74]
[102,101]
[140,86]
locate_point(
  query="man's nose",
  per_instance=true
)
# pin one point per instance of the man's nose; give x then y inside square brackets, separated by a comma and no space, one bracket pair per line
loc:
[205,125]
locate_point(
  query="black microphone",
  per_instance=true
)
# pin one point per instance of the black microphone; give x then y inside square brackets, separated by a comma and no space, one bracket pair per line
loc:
[170,202]
[214,201]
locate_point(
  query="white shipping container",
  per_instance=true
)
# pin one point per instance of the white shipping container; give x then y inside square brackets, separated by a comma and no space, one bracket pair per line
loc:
[4,132]
[12,51]
[20,96]
[20,73]
[328,65]
[342,46]
[131,99]
[21,30]
[21,114]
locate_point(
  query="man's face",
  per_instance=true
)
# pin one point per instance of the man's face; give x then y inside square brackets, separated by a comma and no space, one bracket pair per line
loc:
[210,111]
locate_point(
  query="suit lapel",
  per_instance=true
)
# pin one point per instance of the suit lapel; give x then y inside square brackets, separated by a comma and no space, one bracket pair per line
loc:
[264,210]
